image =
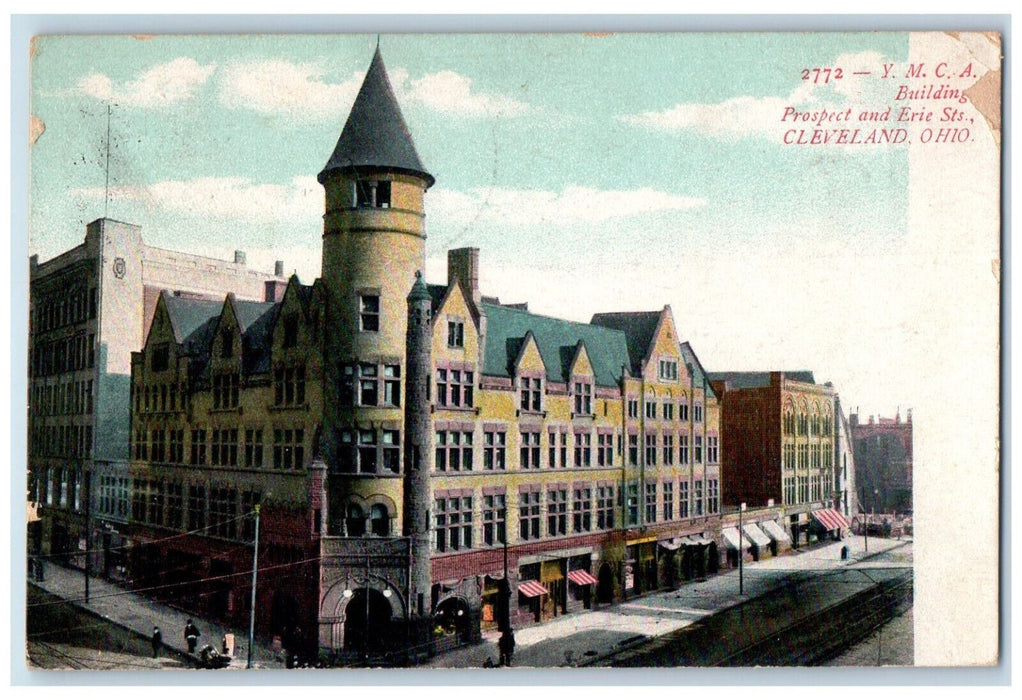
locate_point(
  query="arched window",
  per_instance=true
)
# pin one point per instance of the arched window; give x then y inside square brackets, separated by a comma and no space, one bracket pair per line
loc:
[355,520]
[379,520]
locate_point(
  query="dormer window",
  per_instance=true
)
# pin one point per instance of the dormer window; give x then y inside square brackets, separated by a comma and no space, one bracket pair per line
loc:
[583,398]
[372,194]
[290,331]
[531,393]
[455,334]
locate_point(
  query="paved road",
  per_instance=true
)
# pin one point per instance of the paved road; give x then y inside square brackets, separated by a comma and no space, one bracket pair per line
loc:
[580,638]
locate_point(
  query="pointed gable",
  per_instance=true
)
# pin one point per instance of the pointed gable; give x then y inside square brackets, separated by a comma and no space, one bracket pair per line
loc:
[556,340]
[639,328]
[375,137]
[580,366]
[528,358]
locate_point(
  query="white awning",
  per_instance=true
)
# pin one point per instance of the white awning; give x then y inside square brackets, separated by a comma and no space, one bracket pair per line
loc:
[732,539]
[756,535]
[775,531]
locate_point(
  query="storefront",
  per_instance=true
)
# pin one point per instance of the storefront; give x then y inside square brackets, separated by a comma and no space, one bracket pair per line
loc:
[828,523]
[640,574]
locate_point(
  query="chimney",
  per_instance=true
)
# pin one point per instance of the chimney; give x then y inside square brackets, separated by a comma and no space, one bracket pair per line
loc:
[463,266]
[239,257]
[273,290]
[278,268]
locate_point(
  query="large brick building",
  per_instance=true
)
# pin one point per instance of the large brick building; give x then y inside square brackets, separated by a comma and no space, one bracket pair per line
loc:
[406,439]
[780,448]
[89,309]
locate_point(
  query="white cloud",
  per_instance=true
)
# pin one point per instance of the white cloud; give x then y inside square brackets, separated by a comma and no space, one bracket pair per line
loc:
[572,205]
[448,92]
[296,91]
[223,198]
[756,116]
[161,85]
[299,92]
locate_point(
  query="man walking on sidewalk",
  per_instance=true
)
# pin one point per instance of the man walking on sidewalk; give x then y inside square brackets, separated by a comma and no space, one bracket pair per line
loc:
[157,642]
[191,635]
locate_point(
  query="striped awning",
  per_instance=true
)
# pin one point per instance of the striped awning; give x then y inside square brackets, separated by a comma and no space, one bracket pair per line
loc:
[697,541]
[581,577]
[531,589]
[671,545]
[829,519]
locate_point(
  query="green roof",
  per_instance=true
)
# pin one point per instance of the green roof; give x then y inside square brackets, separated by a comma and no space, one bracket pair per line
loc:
[638,327]
[557,340]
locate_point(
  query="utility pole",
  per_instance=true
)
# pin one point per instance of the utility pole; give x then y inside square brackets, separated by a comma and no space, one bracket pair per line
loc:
[255,573]
[741,550]
[88,527]
[865,529]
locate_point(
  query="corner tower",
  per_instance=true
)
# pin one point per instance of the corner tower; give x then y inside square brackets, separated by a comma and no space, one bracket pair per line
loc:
[374,241]
[374,236]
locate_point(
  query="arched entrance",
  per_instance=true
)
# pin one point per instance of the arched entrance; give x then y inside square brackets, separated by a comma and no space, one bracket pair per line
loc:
[367,623]
[452,617]
[605,584]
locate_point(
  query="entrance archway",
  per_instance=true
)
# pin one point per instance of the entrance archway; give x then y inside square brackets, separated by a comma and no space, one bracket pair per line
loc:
[452,616]
[605,584]
[367,622]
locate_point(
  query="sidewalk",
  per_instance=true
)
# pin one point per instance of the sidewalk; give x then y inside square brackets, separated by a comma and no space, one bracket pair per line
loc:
[582,637]
[138,614]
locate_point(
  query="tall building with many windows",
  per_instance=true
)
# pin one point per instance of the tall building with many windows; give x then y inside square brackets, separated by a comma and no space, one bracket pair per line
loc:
[90,307]
[883,455]
[404,440]
[779,441]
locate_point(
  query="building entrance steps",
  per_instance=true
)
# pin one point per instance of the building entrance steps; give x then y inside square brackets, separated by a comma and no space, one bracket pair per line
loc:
[138,614]
[580,638]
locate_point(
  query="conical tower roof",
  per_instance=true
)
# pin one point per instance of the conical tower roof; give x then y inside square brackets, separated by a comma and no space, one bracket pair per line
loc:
[375,135]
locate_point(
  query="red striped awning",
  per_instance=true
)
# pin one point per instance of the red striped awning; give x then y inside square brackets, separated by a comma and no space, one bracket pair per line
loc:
[830,519]
[581,577]
[531,589]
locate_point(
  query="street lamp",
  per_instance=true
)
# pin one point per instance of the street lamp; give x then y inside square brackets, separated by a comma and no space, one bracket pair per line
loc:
[741,552]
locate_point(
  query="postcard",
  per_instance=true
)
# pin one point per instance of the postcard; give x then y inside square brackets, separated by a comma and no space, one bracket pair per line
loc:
[569,351]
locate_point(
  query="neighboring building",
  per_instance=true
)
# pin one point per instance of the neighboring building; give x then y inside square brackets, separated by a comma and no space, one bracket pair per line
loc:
[883,460]
[404,440]
[89,309]
[846,495]
[778,441]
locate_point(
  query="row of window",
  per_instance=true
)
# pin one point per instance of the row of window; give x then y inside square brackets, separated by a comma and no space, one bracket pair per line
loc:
[65,399]
[64,355]
[559,511]
[370,384]
[59,486]
[654,410]
[220,511]
[222,447]
[807,489]
[66,309]
[454,450]
[61,441]
[802,424]
[808,456]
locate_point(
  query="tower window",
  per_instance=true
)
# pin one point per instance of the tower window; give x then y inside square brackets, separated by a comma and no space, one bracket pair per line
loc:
[369,312]
[373,194]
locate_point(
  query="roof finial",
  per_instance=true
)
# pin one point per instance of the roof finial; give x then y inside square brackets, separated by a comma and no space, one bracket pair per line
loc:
[377,42]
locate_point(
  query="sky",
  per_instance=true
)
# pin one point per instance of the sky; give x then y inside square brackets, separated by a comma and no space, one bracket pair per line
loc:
[607,172]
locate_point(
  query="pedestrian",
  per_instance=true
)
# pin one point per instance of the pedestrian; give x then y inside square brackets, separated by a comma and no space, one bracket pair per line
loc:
[191,635]
[157,642]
